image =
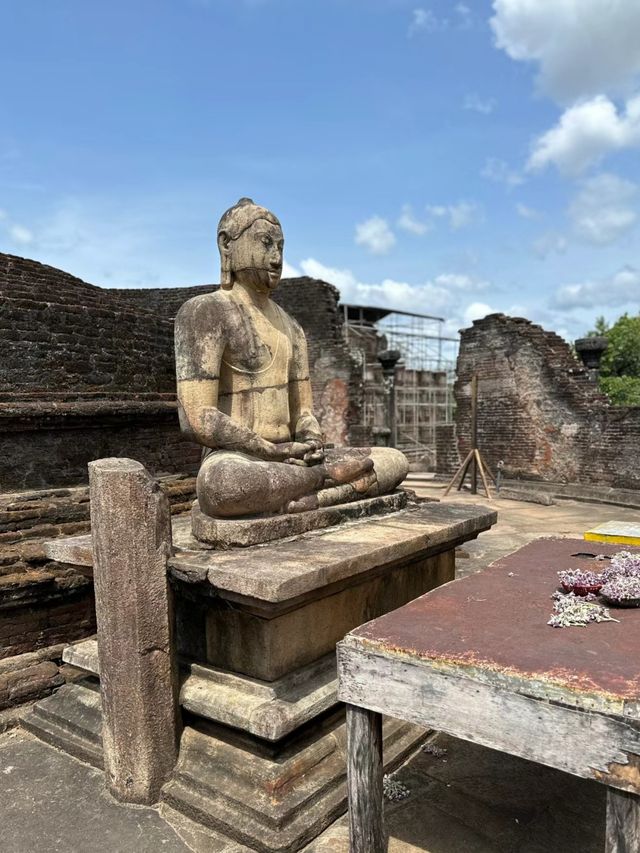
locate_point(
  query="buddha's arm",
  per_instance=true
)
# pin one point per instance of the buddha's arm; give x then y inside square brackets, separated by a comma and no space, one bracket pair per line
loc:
[304,425]
[203,422]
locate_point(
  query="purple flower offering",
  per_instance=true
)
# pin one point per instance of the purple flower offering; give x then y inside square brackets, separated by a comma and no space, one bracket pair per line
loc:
[622,590]
[623,564]
[580,582]
[570,610]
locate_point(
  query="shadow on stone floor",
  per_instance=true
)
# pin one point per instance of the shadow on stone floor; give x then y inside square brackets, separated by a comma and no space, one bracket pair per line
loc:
[476,800]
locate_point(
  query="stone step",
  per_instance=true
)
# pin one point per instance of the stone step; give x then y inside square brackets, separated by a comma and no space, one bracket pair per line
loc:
[70,719]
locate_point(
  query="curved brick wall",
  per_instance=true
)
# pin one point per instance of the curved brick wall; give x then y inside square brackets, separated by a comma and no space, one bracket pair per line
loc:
[538,411]
[61,334]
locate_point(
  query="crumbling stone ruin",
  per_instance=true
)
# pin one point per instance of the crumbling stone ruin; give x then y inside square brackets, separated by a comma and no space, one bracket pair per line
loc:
[538,410]
[87,373]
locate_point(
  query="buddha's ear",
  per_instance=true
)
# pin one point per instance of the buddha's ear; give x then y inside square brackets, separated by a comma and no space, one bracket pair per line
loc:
[224,243]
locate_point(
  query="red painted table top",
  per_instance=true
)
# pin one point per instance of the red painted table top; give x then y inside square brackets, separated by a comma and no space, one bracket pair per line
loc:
[495,622]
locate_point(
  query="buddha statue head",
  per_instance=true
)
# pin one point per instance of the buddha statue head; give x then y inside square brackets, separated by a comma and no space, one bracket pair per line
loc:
[250,241]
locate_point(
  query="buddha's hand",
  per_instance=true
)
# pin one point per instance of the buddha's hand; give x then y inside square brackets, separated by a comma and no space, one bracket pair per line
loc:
[293,452]
[315,453]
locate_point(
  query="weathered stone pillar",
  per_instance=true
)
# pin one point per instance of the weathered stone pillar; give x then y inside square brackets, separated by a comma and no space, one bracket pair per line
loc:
[131,533]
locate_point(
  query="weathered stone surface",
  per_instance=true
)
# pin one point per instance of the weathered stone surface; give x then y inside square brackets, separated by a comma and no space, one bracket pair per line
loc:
[227,533]
[50,802]
[269,710]
[242,640]
[71,720]
[245,393]
[279,572]
[272,798]
[131,528]
[527,495]
[83,655]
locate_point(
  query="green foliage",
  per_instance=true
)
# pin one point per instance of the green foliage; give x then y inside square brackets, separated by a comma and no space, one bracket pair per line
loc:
[621,390]
[620,365]
[622,357]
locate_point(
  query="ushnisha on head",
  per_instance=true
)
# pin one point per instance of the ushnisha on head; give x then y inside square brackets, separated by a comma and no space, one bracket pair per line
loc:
[250,241]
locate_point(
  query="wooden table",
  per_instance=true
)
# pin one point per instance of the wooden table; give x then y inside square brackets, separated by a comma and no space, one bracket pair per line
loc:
[476,659]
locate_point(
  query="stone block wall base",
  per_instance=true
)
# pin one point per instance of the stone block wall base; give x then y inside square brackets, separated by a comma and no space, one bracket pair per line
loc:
[272,798]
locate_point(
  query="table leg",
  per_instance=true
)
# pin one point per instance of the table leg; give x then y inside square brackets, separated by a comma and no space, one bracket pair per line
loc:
[623,822]
[364,781]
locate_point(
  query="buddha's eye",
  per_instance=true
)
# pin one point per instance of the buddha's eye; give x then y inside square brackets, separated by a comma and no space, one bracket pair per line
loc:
[267,241]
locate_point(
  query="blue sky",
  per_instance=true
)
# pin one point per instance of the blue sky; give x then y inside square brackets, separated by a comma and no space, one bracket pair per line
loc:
[447,157]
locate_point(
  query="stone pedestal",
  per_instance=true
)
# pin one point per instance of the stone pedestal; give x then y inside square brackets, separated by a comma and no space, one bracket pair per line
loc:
[262,753]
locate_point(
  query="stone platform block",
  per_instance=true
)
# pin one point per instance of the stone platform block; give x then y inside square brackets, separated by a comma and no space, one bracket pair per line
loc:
[243,532]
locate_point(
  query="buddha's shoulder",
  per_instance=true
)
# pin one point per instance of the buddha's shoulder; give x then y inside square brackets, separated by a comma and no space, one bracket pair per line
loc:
[207,307]
[289,322]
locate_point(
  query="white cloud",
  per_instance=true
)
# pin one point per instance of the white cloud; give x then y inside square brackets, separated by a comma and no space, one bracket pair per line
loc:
[526,212]
[476,311]
[465,18]
[408,222]
[462,214]
[620,289]
[585,133]
[497,170]
[549,244]
[445,295]
[603,209]
[21,235]
[289,271]
[17,234]
[583,47]
[423,20]
[376,235]
[475,103]
[457,215]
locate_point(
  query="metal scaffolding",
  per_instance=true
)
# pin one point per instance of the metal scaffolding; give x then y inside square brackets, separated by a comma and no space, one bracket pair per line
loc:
[424,377]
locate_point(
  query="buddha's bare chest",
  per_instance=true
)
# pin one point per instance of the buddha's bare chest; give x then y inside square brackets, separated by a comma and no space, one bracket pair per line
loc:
[255,349]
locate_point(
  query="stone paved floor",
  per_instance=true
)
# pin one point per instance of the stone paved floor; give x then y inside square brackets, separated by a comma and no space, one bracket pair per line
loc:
[472,800]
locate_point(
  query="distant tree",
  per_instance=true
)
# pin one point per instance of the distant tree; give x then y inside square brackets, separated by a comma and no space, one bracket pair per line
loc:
[620,365]
[601,328]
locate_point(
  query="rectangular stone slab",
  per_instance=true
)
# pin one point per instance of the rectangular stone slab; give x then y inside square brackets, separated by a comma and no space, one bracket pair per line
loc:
[282,571]
[270,647]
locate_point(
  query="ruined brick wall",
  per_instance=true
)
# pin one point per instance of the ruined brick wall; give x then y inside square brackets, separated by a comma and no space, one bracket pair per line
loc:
[538,410]
[60,334]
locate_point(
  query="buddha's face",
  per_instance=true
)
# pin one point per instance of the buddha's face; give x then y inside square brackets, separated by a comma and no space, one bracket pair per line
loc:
[256,255]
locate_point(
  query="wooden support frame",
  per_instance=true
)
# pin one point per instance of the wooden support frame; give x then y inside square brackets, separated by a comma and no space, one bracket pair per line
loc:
[473,460]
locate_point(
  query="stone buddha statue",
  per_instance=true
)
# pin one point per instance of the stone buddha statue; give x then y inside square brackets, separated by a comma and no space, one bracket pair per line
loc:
[244,391]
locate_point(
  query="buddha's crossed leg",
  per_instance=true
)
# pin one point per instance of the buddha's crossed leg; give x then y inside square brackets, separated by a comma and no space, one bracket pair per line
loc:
[232,484]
